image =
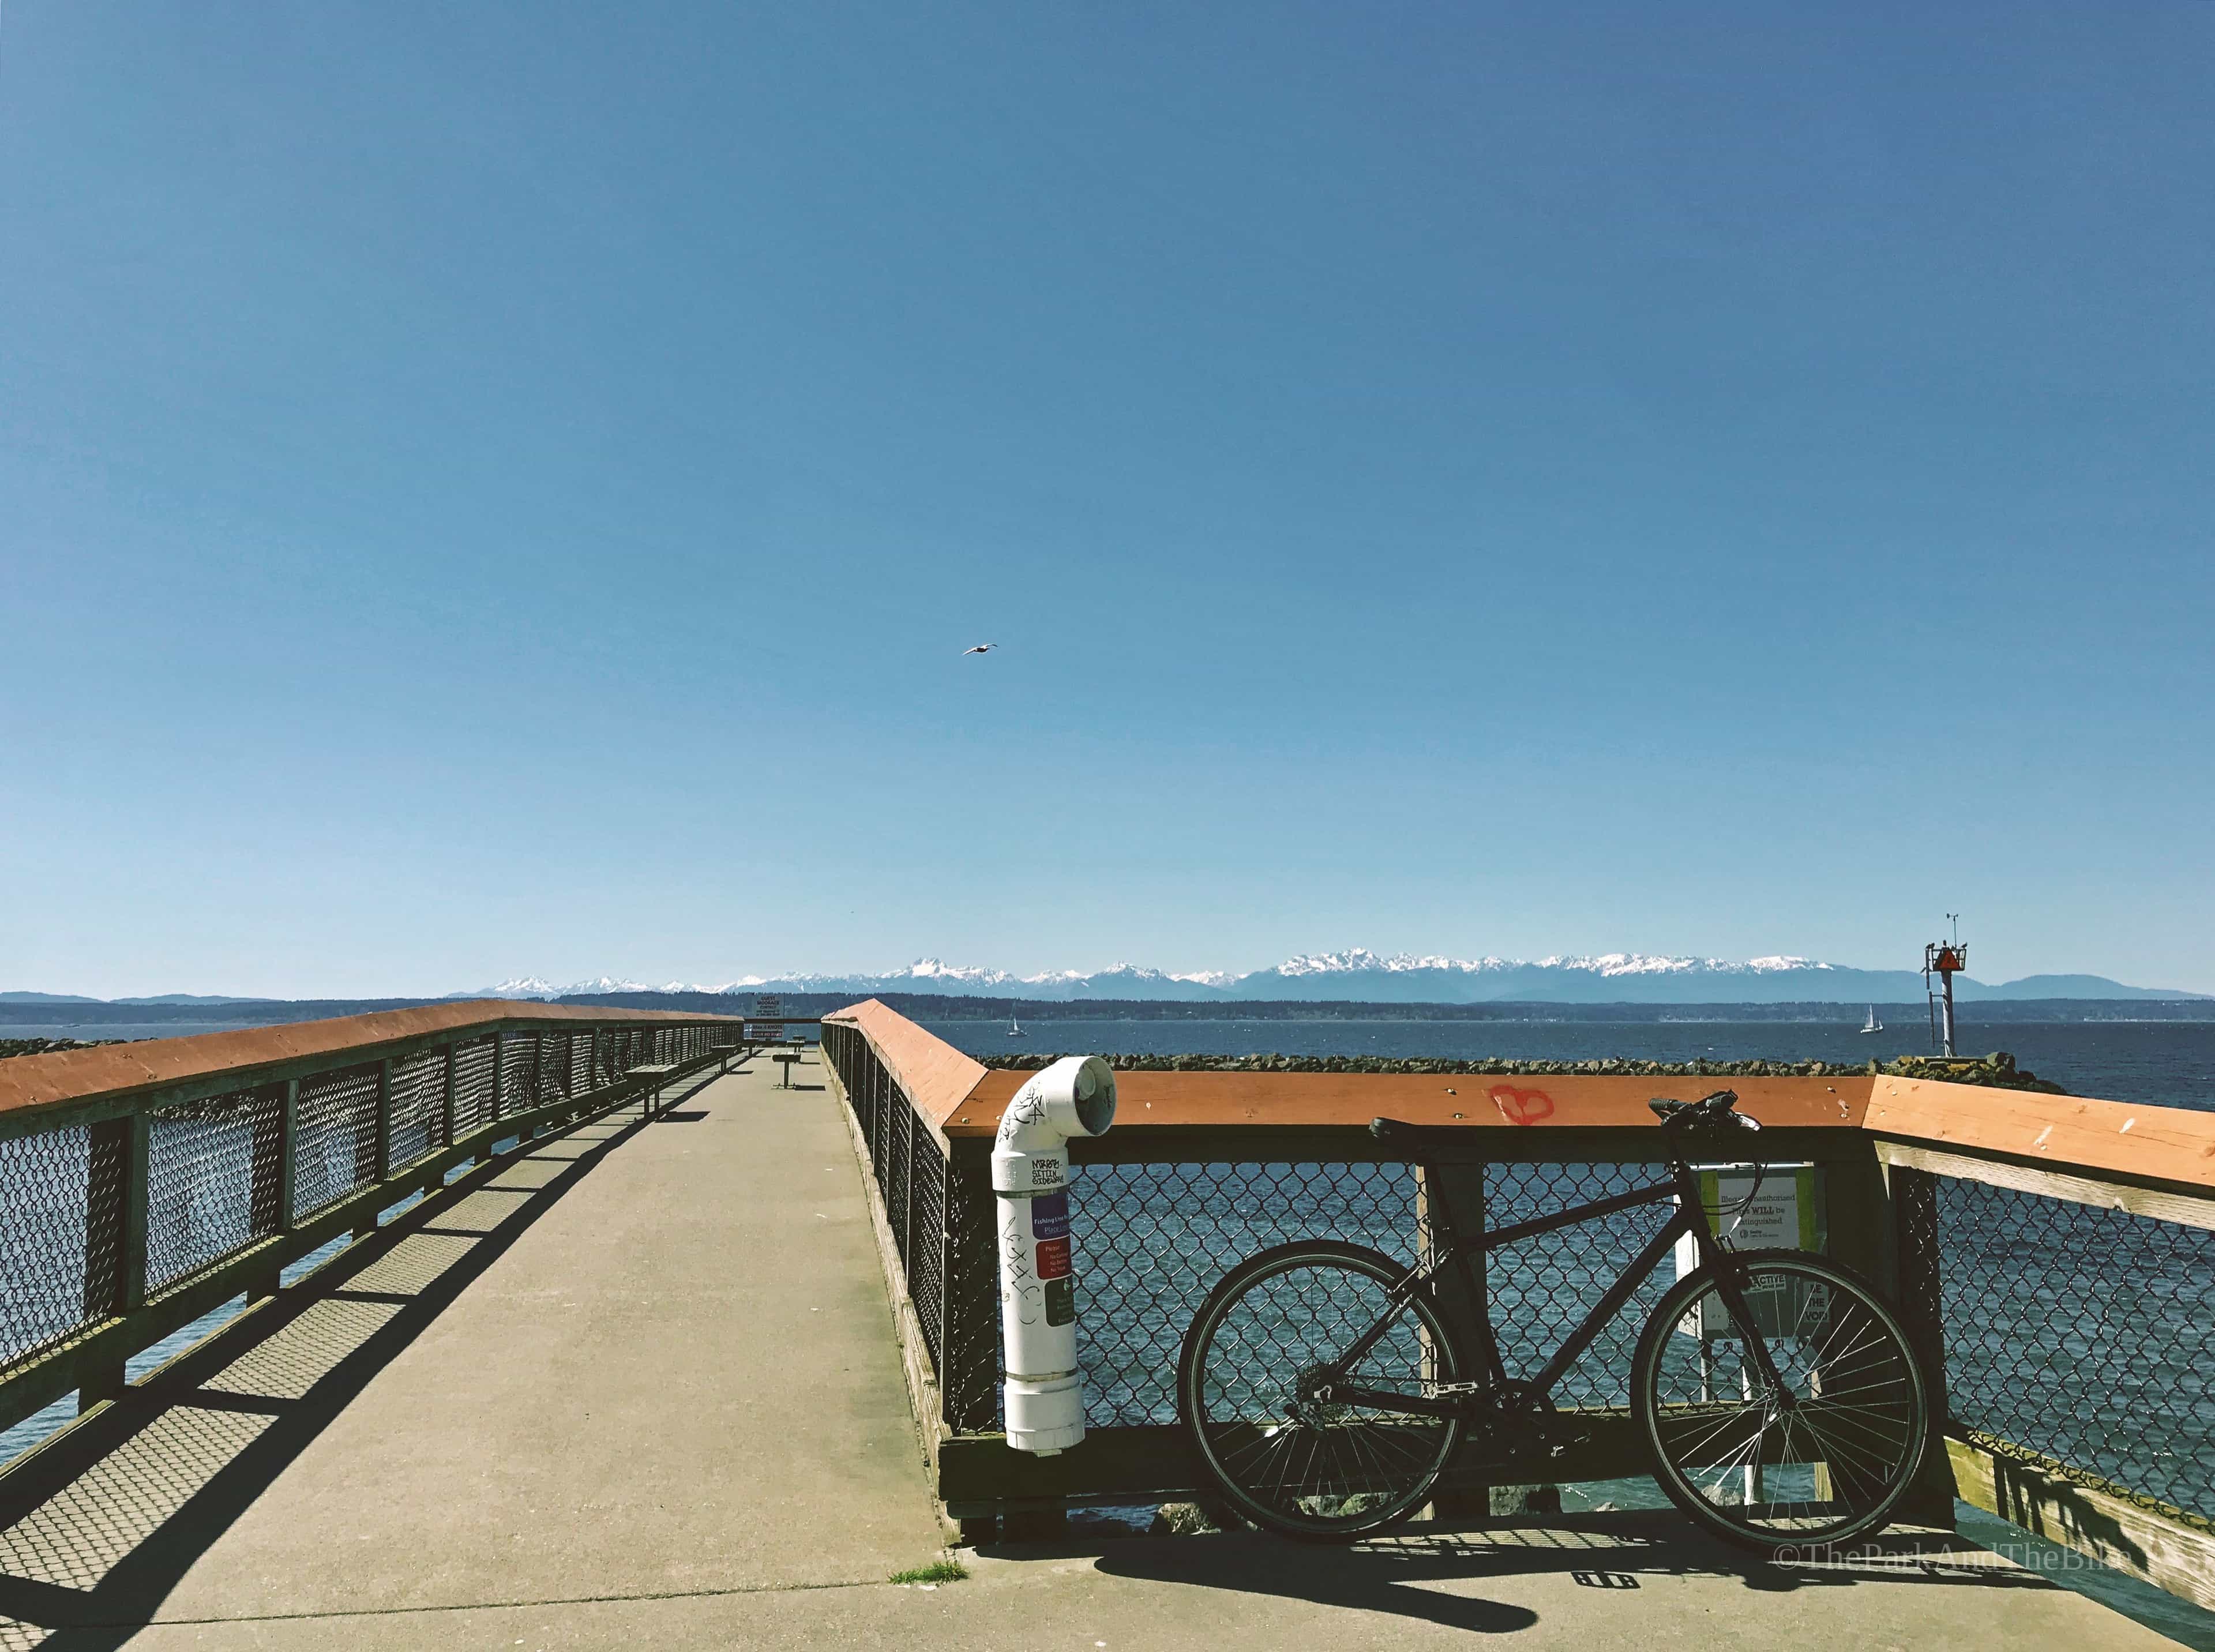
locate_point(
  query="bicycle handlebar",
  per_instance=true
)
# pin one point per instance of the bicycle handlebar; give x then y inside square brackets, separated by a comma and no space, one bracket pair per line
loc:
[1453,1143]
[1710,1112]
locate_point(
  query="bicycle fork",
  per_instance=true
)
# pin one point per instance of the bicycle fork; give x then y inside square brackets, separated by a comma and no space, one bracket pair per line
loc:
[1730,1267]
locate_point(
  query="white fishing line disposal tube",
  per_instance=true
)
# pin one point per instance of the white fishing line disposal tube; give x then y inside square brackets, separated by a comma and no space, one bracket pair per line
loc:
[1075,1096]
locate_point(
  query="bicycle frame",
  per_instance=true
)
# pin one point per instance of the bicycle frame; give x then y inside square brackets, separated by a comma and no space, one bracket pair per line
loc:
[1691,1218]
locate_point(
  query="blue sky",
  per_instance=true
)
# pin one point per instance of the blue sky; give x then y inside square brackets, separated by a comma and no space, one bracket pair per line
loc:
[502,488]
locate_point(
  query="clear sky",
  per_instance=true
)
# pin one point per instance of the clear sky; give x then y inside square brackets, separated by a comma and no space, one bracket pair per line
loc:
[500,488]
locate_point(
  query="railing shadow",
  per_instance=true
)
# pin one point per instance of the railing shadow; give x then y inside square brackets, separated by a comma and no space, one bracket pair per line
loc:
[1424,1573]
[98,1525]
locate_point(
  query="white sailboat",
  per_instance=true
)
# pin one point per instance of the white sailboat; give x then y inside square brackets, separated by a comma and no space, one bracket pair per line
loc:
[1014,1027]
[1873,1025]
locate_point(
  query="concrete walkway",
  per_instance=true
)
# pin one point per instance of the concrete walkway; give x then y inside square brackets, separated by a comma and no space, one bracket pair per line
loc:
[638,1388]
[641,1360]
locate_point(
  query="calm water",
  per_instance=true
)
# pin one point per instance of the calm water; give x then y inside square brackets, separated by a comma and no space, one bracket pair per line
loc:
[98,1032]
[2169,1063]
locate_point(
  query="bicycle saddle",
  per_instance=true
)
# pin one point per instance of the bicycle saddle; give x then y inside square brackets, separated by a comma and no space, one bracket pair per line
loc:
[1428,1142]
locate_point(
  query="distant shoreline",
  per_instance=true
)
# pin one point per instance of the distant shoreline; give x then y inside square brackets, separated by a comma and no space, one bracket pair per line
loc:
[187,1018]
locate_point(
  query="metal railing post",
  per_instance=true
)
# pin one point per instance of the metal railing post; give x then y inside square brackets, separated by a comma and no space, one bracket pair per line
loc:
[269,1172]
[944,1239]
[537,1043]
[384,1119]
[375,1166]
[133,1294]
[288,1158]
[446,1105]
[115,1238]
[907,1188]
[1914,1199]
[499,1072]
[1449,1200]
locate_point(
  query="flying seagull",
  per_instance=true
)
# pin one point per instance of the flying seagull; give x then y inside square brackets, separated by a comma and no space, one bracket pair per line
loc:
[981,647]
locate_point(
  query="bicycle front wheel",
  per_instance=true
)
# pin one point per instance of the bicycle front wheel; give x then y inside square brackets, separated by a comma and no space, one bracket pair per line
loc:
[1822,1456]
[1324,1470]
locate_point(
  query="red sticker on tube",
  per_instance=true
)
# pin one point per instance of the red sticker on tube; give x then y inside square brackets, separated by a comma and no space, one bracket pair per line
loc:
[1053,1259]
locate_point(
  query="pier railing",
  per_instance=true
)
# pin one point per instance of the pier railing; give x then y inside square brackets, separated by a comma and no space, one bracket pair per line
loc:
[2054,1255]
[143,1185]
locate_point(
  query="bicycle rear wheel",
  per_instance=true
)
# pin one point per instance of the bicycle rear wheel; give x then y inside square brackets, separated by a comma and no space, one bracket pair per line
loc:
[1822,1460]
[1317,1470]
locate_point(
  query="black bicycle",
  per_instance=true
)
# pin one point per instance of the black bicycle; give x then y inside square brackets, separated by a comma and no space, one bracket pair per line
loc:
[1327,1386]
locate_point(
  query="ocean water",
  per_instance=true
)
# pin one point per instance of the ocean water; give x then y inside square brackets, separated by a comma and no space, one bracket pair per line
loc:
[99,1032]
[2170,1063]
[2166,1064]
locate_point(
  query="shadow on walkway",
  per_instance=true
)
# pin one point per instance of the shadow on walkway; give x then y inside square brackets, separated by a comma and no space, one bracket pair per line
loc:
[1611,1551]
[98,1526]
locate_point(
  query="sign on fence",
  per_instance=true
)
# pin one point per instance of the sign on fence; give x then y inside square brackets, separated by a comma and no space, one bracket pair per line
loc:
[1778,1208]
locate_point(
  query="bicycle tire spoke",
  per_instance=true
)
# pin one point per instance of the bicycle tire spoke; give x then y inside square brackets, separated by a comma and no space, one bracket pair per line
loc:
[1733,1416]
[1324,1466]
[1828,1452]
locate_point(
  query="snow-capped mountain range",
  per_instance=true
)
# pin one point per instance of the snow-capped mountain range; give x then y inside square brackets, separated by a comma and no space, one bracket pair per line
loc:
[1357,974]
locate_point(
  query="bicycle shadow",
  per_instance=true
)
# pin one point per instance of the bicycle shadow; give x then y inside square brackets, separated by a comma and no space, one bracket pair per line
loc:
[1420,1571]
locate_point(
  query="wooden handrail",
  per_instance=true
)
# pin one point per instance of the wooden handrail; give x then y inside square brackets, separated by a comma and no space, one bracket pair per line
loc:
[110,1071]
[2173,1145]
[936,1077]
[2075,1133]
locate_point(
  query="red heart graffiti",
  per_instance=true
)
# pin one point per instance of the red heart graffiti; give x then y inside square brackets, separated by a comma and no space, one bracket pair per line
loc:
[1522,1106]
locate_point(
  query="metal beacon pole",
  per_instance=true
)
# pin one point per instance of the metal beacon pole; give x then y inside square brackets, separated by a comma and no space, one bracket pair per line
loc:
[1944,959]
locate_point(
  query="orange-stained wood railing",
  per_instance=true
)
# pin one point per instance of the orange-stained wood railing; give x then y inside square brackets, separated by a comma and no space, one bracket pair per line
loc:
[2054,1255]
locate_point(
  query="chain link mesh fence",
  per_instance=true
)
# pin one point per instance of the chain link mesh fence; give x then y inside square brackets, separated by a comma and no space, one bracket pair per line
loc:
[926,1252]
[969,1379]
[899,1126]
[2080,1334]
[518,1078]
[416,1119]
[333,1136]
[210,1180]
[59,1227]
[1152,1239]
[473,1078]
[1155,1237]
[1541,1287]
